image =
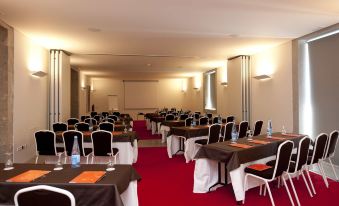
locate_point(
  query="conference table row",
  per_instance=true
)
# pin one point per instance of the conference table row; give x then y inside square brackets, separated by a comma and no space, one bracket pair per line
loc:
[115,188]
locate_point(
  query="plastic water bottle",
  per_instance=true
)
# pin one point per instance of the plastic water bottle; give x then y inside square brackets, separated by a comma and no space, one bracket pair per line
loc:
[90,124]
[219,119]
[234,134]
[75,159]
[269,128]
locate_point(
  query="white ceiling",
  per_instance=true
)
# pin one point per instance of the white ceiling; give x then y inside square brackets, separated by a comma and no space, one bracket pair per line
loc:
[176,37]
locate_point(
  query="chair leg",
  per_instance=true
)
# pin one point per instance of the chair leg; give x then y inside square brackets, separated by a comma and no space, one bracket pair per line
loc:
[36,159]
[323,173]
[260,189]
[308,188]
[287,190]
[335,174]
[265,190]
[309,179]
[293,188]
[92,159]
[245,188]
[269,192]
[279,179]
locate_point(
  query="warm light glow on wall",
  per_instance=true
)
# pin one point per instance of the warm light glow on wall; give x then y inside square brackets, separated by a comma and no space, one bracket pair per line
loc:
[265,67]
[35,60]
[184,85]
[223,74]
[197,81]
[92,85]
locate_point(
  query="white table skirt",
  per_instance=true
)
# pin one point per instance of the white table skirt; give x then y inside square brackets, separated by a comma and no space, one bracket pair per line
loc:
[206,175]
[173,143]
[148,124]
[153,127]
[164,131]
[127,153]
[130,196]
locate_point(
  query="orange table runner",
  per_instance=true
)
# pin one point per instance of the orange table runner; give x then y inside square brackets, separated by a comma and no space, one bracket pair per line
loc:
[244,146]
[259,167]
[255,141]
[88,177]
[28,176]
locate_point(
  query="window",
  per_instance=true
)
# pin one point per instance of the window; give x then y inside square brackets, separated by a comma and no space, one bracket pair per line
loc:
[210,90]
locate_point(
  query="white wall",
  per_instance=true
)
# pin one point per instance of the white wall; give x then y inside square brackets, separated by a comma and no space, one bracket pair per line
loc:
[272,98]
[169,94]
[65,87]
[30,95]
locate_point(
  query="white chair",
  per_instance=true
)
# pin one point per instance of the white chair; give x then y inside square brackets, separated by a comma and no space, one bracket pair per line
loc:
[60,196]
[331,147]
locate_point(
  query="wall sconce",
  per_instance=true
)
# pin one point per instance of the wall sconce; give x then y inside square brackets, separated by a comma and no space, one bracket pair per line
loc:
[184,85]
[197,82]
[223,75]
[262,77]
[39,74]
[224,84]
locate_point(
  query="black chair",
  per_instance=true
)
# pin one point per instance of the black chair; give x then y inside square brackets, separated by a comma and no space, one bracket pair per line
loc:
[88,121]
[228,131]
[280,169]
[60,127]
[230,119]
[196,115]
[318,155]
[97,118]
[163,114]
[68,138]
[116,114]
[209,115]
[45,144]
[257,127]
[43,195]
[114,117]
[72,121]
[93,114]
[188,121]
[243,127]
[107,126]
[196,112]
[83,117]
[110,120]
[215,120]
[104,114]
[331,147]
[82,126]
[213,135]
[102,145]
[203,121]
[183,116]
[169,117]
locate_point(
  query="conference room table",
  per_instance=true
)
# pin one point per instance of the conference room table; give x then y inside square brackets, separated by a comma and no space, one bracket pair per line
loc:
[155,124]
[148,117]
[116,188]
[191,134]
[127,143]
[234,158]
[166,126]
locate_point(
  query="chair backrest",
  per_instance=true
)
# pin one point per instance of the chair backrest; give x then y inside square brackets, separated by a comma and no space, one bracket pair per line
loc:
[243,126]
[97,118]
[302,155]
[104,114]
[107,126]
[214,133]
[203,121]
[229,119]
[114,117]
[188,121]
[110,120]
[163,114]
[60,127]
[72,121]
[88,120]
[209,115]
[68,137]
[332,144]
[228,131]
[83,117]
[257,127]
[116,114]
[169,117]
[183,116]
[196,115]
[93,114]
[43,195]
[102,143]
[319,149]
[283,158]
[45,142]
[197,112]
[82,126]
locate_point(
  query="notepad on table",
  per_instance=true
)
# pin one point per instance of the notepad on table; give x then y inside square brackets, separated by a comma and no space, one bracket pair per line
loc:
[244,146]
[88,177]
[278,138]
[291,135]
[255,141]
[259,167]
[28,176]
[117,133]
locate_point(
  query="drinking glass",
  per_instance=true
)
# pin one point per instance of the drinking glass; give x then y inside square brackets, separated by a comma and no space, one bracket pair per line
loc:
[249,135]
[9,161]
[283,131]
[58,164]
[110,165]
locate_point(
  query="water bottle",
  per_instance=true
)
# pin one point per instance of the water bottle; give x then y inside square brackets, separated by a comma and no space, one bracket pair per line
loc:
[234,133]
[75,159]
[269,128]
[90,124]
[219,119]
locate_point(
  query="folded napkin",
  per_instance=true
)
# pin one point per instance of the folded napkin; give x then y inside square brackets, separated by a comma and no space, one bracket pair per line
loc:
[259,141]
[244,146]
[278,138]
[259,167]
[28,176]
[291,135]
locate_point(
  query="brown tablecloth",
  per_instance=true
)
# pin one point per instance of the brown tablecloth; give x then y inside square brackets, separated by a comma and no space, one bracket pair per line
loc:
[150,115]
[118,136]
[157,119]
[72,127]
[234,156]
[174,123]
[189,132]
[106,192]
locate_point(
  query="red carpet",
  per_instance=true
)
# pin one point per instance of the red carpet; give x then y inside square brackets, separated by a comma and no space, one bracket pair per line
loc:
[169,182]
[140,127]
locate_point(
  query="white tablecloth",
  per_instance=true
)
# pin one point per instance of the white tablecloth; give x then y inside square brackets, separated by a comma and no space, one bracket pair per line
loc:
[130,196]
[173,143]
[148,124]
[164,131]
[206,175]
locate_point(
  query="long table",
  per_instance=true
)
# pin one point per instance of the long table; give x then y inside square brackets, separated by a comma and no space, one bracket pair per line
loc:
[235,160]
[127,143]
[166,126]
[117,188]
